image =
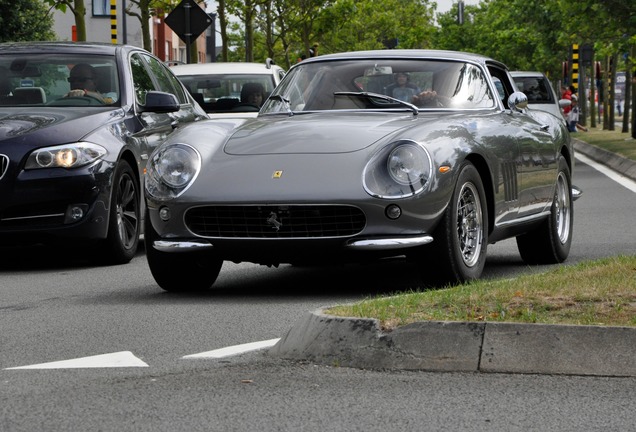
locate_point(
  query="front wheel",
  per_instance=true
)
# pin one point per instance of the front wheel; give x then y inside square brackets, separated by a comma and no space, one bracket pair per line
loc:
[458,251]
[124,224]
[180,272]
[550,242]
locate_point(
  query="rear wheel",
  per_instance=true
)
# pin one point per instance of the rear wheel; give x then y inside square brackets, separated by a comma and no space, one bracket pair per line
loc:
[180,272]
[550,242]
[458,251]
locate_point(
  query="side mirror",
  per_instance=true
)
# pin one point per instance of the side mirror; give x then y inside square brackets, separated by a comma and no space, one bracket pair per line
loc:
[160,102]
[565,103]
[518,101]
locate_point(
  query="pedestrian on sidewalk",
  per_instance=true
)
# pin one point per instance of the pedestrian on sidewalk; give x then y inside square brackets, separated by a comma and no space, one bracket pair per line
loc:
[573,117]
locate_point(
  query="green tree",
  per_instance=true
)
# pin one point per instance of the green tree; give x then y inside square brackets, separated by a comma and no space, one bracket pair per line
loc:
[25,20]
[522,34]
[78,9]
[351,25]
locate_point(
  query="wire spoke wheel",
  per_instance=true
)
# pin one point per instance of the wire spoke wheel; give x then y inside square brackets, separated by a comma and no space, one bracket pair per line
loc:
[563,208]
[469,224]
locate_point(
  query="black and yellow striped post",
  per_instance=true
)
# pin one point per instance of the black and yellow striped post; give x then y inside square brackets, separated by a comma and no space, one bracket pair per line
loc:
[113,21]
[575,66]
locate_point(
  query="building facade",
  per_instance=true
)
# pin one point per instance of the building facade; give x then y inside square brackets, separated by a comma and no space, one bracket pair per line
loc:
[105,26]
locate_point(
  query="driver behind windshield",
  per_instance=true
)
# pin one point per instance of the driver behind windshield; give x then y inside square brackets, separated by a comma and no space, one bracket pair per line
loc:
[84,82]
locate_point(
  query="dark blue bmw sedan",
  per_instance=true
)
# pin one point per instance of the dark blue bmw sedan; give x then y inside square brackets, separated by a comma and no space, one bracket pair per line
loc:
[77,124]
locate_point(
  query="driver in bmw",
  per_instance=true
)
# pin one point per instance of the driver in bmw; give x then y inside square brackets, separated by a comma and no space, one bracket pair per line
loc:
[83,80]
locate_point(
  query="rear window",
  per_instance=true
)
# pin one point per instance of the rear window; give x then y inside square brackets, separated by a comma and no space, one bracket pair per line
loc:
[537,89]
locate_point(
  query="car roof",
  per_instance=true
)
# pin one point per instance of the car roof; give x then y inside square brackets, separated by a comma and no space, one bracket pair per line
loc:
[527,74]
[408,53]
[76,47]
[224,68]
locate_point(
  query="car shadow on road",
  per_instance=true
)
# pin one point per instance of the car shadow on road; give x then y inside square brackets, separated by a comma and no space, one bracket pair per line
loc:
[47,257]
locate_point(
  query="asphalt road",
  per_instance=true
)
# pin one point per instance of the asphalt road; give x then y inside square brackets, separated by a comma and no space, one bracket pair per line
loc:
[53,309]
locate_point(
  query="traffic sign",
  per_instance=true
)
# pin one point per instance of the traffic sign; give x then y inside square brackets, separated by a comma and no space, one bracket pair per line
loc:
[188,20]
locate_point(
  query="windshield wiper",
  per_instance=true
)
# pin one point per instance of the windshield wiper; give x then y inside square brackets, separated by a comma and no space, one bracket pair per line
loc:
[369,95]
[285,101]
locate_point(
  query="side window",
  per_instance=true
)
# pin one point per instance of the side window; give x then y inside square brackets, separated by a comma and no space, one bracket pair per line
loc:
[167,82]
[506,84]
[142,80]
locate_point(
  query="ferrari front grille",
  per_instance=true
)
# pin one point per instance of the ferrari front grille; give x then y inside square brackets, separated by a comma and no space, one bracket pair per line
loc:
[282,221]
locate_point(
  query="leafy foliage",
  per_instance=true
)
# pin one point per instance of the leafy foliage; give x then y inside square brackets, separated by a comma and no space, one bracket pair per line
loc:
[25,20]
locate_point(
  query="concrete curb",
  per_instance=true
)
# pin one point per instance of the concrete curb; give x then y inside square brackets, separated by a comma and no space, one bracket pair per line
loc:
[461,346]
[626,167]
[469,346]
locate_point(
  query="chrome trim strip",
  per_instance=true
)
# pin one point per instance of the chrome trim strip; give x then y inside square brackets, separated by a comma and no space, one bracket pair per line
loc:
[525,219]
[4,165]
[180,246]
[34,217]
[389,243]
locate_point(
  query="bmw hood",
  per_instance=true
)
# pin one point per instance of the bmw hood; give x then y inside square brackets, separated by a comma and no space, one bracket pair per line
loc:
[49,126]
[317,133]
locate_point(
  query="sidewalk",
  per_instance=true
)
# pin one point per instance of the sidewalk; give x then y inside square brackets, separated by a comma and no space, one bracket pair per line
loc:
[469,346]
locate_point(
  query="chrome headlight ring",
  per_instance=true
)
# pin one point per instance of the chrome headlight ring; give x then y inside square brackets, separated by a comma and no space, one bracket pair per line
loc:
[171,170]
[398,170]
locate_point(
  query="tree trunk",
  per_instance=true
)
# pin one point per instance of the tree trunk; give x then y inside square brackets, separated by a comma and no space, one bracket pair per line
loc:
[79,11]
[612,92]
[628,91]
[222,29]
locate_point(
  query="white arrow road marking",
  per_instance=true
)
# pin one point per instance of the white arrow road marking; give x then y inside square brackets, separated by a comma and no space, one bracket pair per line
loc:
[112,360]
[234,350]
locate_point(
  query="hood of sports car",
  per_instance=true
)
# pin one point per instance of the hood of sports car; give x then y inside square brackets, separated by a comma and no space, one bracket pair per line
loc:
[318,133]
[54,125]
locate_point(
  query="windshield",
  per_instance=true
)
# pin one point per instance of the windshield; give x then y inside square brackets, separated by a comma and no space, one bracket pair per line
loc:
[537,89]
[224,92]
[352,84]
[47,79]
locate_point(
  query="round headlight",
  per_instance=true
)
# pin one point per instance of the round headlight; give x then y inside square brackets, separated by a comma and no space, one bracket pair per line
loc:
[398,170]
[171,170]
[407,164]
[177,166]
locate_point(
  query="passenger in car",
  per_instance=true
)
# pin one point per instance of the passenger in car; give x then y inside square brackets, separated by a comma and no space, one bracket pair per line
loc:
[252,94]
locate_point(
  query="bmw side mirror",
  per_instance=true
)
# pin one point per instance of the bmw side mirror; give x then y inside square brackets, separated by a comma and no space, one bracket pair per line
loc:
[160,102]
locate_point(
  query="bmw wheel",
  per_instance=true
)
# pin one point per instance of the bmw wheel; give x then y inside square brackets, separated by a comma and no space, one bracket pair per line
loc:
[124,217]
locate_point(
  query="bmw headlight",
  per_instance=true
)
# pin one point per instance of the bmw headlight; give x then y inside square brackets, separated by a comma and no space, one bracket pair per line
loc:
[171,170]
[399,170]
[65,156]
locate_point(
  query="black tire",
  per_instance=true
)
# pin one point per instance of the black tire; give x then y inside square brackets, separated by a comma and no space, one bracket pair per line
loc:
[124,222]
[460,242]
[180,272]
[550,242]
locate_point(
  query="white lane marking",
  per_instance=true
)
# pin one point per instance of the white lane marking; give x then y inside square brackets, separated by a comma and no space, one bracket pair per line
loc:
[234,350]
[112,360]
[617,177]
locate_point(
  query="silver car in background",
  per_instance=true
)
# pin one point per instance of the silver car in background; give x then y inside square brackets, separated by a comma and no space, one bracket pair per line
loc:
[541,95]
[218,87]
